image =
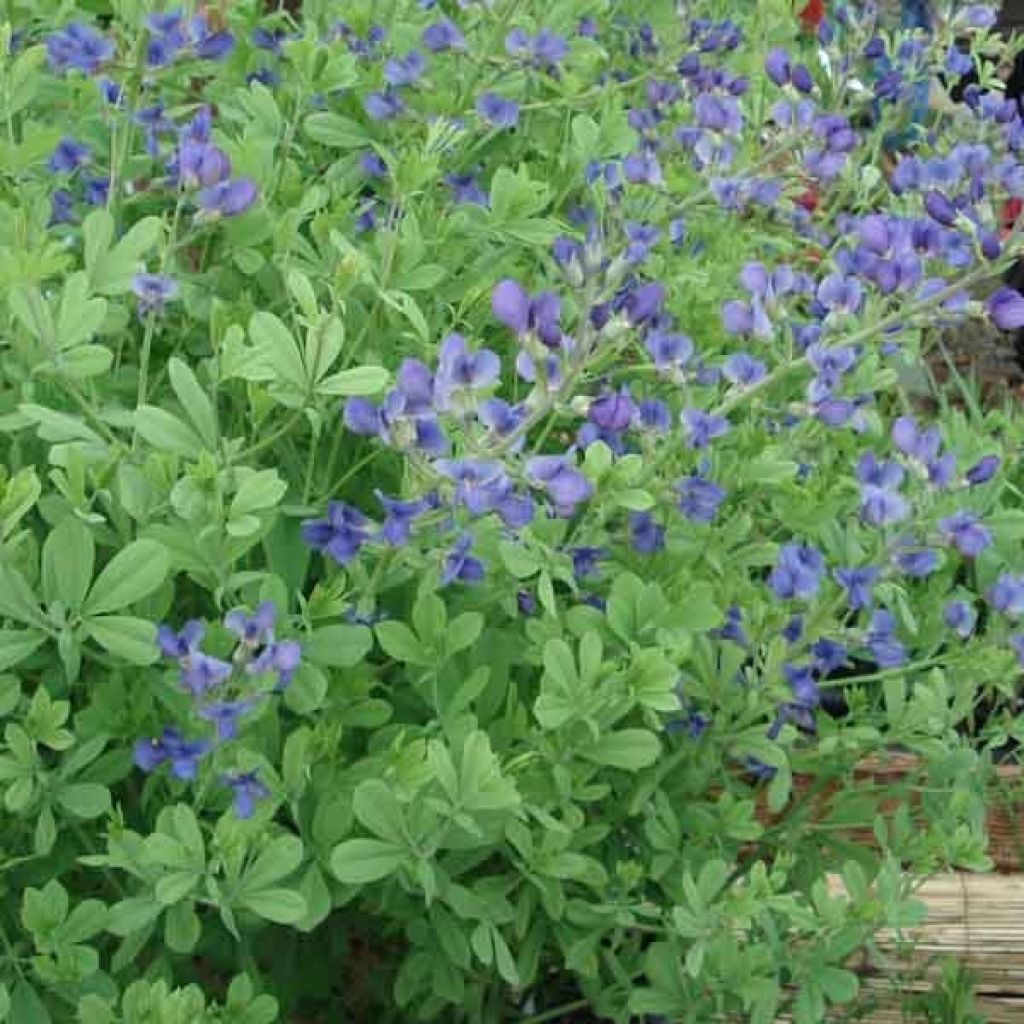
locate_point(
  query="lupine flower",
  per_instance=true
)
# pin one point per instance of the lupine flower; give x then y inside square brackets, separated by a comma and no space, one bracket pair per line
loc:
[383,106]
[62,204]
[699,499]
[882,507]
[652,414]
[80,47]
[399,518]
[858,584]
[252,630]
[525,315]
[612,410]
[887,651]
[585,560]
[498,111]
[207,44]
[199,164]
[829,655]
[1017,646]
[797,573]
[96,191]
[920,445]
[743,370]
[840,294]
[153,291]
[227,198]
[643,303]
[1005,308]
[247,790]
[960,617]
[268,39]
[404,71]
[460,565]
[225,715]
[171,747]
[460,373]
[914,561]
[732,629]
[965,533]
[646,536]
[983,470]
[777,66]
[793,629]
[801,682]
[1006,595]
[443,35]
[282,657]
[201,673]
[566,486]
[702,428]
[939,208]
[181,644]
[68,156]
[668,351]
[466,190]
[642,169]
[340,534]
[545,50]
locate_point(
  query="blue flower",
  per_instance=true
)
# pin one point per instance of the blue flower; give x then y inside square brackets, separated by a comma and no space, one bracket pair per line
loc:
[523,315]
[915,561]
[466,191]
[171,747]
[247,790]
[201,673]
[645,534]
[497,111]
[404,71]
[227,198]
[225,715]
[743,370]
[699,499]
[182,644]
[797,573]
[1006,595]
[545,50]
[383,106]
[857,583]
[199,164]
[960,617]
[460,373]
[340,534]
[887,651]
[668,351]
[702,428]
[399,518]
[443,35]
[62,204]
[460,565]
[829,655]
[80,47]
[612,410]
[68,156]
[153,291]
[793,629]
[983,470]
[282,657]
[565,485]
[252,630]
[965,533]
[920,445]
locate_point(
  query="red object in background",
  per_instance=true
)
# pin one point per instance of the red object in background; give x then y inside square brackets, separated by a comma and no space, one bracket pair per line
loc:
[1008,215]
[808,199]
[812,14]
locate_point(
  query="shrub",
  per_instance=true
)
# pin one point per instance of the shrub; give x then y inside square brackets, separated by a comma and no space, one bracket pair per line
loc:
[465,510]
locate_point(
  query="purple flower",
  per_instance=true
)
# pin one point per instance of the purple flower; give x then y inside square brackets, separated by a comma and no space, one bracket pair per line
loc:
[699,499]
[282,657]
[1006,595]
[882,507]
[545,50]
[403,71]
[210,45]
[227,198]
[525,315]
[443,35]
[96,191]
[668,351]
[225,715]
[960,617]
[399,517]
[68,156]
[340,534]
[498,111]
[1005,308]
[182,644]
[839,293]
[646,535]
[797,573]
[183,755]
[743,370]
[642,169]
[965,533]
[858,583]
[920,445]
[466,190]
[247,790]
[566,486]
[201,673]
[267,39]
[460,565]
[702,428]
[793,630]
[887,651]
[460,373]
[915,562]
[777,66]
[939,208]
[80,47]
[255,629]
[983,470]
[612,410]
[383,106]
[801,79]
[62,204]
[643,303]
[746,318]
[200,164]
[652,414]
[152,291]
[829,655]
[801,682]
[885,474]
[585,561]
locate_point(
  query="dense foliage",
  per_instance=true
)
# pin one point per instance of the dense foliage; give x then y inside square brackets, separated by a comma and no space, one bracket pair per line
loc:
[466,504]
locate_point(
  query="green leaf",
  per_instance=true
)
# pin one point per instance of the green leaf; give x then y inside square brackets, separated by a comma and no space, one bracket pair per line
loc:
[84,799]
[132,915]
[361,861]
[307,691]
[631,749]
[257,491]
[15,646]
[10,694]
[398,641]
[27,1007]
[377,807]
[112,272]
[360,380]
[278,348]
[175,886]
[166,432]
[278,858]
[335,130]
[182,927]
[338,646]
[464,631]
[17,600]
[839,986]
[59,427]
[282,906]
[132,574]
[194,400]
[128,637]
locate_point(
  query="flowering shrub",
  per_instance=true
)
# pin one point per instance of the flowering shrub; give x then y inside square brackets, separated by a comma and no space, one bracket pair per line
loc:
[464,512]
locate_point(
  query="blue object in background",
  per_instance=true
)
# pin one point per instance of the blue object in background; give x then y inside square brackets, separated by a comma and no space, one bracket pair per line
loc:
[914,14]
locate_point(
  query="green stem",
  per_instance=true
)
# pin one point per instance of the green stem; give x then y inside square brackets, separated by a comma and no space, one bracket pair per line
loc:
[556,1012]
